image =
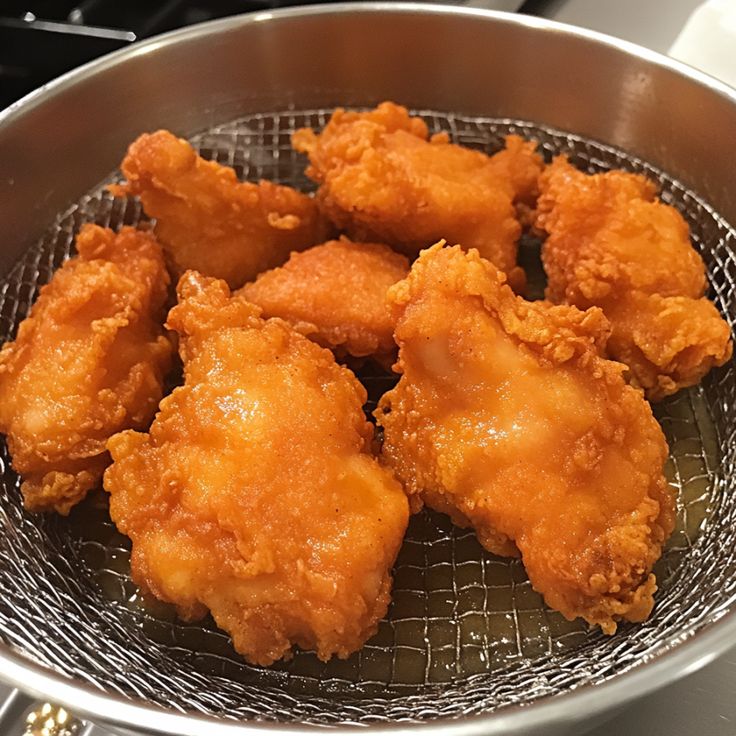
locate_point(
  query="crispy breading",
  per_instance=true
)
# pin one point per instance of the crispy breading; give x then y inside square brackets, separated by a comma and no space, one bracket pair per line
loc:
[507,418]
[613,244]
[208,220]
[254,495]
[87,362]
[335,294]
[383,179]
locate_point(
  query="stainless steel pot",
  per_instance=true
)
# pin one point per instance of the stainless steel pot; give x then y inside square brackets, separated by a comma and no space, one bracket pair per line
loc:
[58,143]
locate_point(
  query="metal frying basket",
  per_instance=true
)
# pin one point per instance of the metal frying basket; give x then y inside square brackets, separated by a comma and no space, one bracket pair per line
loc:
[467,641]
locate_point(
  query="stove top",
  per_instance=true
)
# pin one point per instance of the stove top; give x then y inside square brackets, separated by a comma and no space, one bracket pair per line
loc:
[41,39]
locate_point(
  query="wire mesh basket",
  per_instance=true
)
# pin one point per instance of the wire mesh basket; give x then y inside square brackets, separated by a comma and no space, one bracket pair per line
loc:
[465,633]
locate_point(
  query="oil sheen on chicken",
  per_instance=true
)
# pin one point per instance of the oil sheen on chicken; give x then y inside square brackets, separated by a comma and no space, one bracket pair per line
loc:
[254,495]
[507,418]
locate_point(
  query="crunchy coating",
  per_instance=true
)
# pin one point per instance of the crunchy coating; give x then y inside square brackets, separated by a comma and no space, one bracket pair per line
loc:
[87,362]
[255,495]
[507,417]
[208,220]
[612,244]
[383,179]
[335,294]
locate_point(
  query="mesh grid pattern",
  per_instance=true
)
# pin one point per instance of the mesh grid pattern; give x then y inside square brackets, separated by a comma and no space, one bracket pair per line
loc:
[465,632]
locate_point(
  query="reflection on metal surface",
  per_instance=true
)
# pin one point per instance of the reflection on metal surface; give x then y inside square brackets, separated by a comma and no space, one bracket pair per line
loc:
[51,720]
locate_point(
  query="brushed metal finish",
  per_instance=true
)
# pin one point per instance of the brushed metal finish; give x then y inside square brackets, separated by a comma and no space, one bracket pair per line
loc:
[56,143]
[703,703]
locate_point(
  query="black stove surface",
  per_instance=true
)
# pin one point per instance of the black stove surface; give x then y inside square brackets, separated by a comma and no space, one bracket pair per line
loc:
[41,39]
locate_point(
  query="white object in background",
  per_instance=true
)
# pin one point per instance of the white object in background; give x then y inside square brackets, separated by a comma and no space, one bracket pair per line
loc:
[708,40]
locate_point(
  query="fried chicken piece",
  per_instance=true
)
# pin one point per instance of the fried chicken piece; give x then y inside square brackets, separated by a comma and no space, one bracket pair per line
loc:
[507,417]
[87,362]
[335,294]
[614,245]
[383,179]
[519,164]
[207,220]
[255,494]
